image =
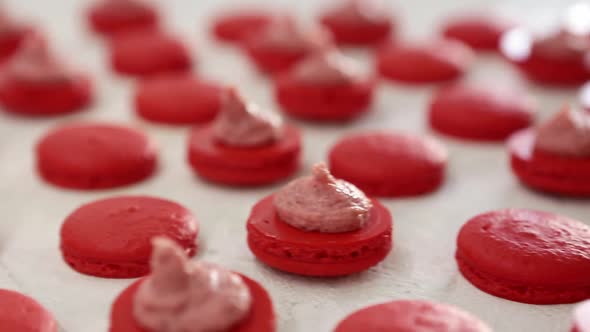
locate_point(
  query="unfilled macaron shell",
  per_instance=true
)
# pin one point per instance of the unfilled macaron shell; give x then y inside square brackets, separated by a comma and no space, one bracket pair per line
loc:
[147,53]
[20,313]
[107,19]
[480,31]
[411,316]
[95,156]
[235,26]
[479,112]
[177,99]
[427,62]
[111,238]
[389,164]
[515,253]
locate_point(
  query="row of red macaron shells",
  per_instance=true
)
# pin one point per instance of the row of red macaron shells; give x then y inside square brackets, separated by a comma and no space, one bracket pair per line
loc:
[147,52]
[521,238]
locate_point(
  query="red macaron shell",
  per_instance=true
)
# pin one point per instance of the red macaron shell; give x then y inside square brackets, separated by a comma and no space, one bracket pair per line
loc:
[339,102]
[436,61]
[45,98]
[177,99]
[20,313]
[236,27]
[526,256]
[109,20]
[389,164]
[260,319]
[111,238]
[148,53]
[546,171]
[272,60]
[241,166]
[289,249]
[347,33]
[95,156]
[411,316]
[480,113]
[480,31]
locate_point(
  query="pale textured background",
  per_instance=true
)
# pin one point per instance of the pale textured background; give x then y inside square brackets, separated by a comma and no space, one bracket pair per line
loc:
[421,265]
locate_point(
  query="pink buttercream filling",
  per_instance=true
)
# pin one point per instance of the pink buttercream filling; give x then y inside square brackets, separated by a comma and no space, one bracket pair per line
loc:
[327,67]
[362,11]
[284,34]
[322,203]
[566,134]
[33,62]
[243,124]
[184,296]
[582,317]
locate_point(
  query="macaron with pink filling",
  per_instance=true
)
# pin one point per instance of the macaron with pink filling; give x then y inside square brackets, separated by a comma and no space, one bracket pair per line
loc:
[320,226]
[184,295]
[389,164]
[36,82]
[326,86]
[558,58]
[411,315]
[109,17]
[359,22]
[282,44]
[555,156]
[244,146]
[434,61]
[21,313]
[480,113]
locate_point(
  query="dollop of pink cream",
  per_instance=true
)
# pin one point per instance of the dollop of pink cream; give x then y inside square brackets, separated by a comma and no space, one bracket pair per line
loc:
[184,296]
[362,12]
[322,203]
[327,67]
[582,317]
[243,124]
[566,134]
[284,34]
[33,62]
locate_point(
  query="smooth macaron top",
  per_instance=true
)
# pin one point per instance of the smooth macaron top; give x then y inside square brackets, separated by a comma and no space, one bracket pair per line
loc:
[178,99]
[385,155]
[20,313]
[427,62]
[411,315]
[95,151]
[527,246]
[120,229]
[478,112]
[478,30]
